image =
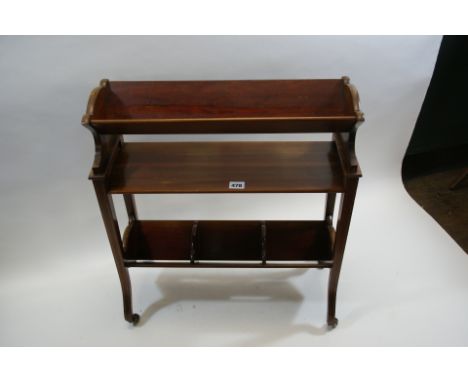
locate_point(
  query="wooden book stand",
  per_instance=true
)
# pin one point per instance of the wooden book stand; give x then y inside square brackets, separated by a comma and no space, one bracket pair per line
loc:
[116,108]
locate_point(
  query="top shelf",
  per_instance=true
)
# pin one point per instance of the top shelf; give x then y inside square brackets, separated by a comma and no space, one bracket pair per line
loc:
[248,106]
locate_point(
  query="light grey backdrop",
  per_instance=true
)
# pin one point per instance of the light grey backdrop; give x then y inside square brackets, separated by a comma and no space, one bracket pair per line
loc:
[403,277]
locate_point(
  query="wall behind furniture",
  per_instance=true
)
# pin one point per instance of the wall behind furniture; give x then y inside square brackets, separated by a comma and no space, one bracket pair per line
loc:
[46,154]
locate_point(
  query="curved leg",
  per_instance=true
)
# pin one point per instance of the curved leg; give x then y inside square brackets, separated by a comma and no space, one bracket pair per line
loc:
[125,280]
[127,296]
[106,206]
[344,218]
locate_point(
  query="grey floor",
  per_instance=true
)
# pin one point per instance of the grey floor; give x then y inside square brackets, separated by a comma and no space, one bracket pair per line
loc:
[404,286]
[448,207]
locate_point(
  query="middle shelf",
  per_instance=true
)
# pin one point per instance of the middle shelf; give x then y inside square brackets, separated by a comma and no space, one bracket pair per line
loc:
[254,242]
[209,167]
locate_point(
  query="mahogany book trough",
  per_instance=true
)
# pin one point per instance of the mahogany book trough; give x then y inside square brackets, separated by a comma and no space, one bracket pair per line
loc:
[118,108]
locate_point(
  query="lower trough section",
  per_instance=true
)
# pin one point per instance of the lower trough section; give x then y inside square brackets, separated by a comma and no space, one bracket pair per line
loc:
[228,244]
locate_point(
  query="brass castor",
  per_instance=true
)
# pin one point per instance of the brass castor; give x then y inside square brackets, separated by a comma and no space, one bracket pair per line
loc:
[135,319]
[332,323]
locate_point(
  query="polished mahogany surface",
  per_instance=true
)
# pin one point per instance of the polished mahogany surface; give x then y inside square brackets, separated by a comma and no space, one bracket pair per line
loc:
[223,106]
[118,108]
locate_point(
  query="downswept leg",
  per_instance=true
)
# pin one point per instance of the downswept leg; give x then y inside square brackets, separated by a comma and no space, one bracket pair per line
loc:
[344,218]
[106,206]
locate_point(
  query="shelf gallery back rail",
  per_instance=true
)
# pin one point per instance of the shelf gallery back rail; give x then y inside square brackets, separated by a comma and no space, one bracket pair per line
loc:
[116,108]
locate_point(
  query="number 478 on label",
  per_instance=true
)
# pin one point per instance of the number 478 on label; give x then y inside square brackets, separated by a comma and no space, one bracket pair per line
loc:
[236,185]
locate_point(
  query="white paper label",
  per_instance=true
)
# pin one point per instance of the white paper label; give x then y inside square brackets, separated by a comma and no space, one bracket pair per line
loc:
[236,185]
